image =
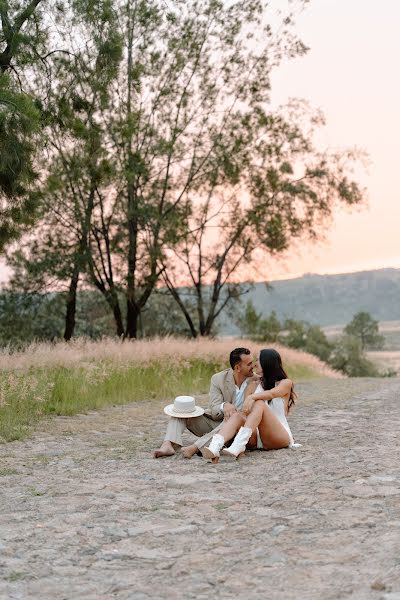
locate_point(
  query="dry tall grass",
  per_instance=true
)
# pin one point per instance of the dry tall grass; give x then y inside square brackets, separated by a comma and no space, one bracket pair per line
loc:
[66,379]
[141,353]
[385,359]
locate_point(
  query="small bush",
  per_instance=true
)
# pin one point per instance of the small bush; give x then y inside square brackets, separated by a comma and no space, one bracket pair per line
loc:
[349,358]
[307,337]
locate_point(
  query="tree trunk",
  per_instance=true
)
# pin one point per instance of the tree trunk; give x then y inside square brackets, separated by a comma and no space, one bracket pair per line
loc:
[132,318]
[132,311]
[11,31]
[118,321]
[112,300]
[141,328]
[175,294]
[71,305]
[5,61]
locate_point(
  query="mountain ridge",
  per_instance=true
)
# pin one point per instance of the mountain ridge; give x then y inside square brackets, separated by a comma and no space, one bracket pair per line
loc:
[329,299]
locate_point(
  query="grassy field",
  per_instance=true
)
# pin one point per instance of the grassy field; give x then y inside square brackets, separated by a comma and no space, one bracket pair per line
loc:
[67,379]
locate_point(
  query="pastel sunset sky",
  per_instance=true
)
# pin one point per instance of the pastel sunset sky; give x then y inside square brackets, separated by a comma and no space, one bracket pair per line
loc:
[351,73]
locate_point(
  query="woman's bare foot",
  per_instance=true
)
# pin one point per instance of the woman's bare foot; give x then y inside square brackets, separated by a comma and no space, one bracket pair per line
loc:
[166,449]
[189,451]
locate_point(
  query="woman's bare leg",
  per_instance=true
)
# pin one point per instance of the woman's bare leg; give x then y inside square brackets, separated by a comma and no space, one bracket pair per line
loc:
[273,434]
[252,443]
[230,427]
[255,416]
[246,436]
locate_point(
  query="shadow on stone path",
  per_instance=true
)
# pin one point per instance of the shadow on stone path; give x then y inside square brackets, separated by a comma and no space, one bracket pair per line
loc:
[87,514]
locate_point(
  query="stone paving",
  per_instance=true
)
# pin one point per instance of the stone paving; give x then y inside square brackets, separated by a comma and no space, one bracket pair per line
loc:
[87,514]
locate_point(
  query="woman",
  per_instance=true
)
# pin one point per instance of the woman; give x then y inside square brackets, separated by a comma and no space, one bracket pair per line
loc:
[262,422]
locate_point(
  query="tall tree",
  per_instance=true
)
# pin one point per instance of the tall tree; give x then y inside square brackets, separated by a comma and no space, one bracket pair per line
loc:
[77,160]
[192,148]
[191,72]
[19,125]
[280,188]
[19,117]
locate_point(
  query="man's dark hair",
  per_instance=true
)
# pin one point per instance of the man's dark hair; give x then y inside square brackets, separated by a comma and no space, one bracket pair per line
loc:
[236,356]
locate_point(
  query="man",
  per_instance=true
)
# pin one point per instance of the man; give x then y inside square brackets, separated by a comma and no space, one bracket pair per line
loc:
[225,398]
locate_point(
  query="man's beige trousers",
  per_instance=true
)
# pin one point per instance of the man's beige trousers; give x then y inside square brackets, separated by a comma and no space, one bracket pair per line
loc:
[203,427]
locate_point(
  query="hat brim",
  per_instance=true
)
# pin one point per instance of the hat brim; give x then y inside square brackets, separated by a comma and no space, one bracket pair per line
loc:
[169,410]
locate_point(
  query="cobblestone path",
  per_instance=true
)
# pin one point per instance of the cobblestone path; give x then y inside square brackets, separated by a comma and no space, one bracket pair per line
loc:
[87,514]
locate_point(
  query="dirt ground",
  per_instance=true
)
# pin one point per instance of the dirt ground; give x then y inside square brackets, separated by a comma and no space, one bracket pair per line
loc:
[86,513]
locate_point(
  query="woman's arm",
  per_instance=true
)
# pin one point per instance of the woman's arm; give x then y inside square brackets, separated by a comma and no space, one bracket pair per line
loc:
[281,390]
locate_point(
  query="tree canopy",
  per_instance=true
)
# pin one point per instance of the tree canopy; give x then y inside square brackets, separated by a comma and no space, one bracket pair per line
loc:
[21,37]
[366,330]
[161,161]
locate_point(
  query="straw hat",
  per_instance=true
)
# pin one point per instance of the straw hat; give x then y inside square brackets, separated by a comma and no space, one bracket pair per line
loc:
[184,407]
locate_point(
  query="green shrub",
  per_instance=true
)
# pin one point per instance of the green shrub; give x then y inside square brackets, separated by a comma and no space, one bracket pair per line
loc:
[304,336]
[349,358]
[366,329]
[252,323]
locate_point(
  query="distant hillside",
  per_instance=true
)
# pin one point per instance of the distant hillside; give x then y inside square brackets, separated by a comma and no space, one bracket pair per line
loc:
[325,300]
[330,299]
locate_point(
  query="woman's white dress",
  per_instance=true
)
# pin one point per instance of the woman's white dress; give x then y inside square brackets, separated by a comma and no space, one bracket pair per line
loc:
[277,405]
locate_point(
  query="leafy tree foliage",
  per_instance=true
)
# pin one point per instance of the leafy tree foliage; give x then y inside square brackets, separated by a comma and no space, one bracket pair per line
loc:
[34,316]
[25,318]
[345,354]
[16,33]
[188,75]
[19,123]
[366,330]
[20,37]
[279,188]
[29,317]
[161,316]
[76,163]
[348,357]
[304,336]
[254,325]
[187,69]
[293,333]
[165,160]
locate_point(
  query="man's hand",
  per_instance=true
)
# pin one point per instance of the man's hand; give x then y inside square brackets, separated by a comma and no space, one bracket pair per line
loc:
[229,410]
[248,404]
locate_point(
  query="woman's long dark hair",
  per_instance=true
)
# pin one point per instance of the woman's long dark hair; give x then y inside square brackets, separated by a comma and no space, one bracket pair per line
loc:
[273,371]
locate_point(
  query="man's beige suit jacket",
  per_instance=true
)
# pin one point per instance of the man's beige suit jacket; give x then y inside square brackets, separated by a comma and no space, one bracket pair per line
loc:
[222,389]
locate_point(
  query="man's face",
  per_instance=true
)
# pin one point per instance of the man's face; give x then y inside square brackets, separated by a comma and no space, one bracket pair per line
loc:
[246,365]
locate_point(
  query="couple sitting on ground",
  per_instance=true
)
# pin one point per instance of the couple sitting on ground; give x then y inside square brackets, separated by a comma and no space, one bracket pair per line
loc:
[251,408]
